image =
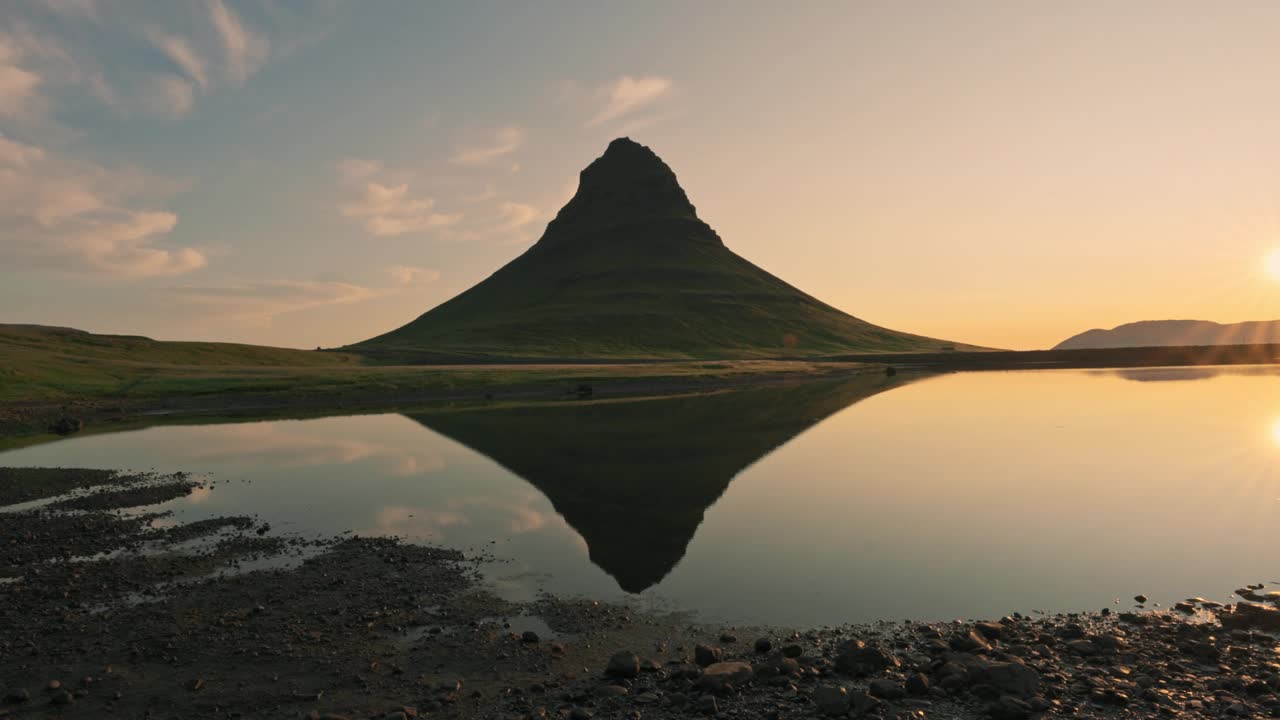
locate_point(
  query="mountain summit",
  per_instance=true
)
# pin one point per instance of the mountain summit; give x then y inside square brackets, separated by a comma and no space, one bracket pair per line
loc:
[628,270]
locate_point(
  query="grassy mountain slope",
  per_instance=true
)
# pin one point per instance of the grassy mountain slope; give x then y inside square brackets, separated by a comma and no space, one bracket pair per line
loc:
[627,270]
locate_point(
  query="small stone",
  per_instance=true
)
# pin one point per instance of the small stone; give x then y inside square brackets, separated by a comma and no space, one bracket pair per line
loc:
[623,664]
[53,685]
[763,645]
[706,655]
[831,699]
[14,697]
[579,713]
[607,691]
[197,684]
[62,697]
[792,651]
[647,698]
[1140,599]
[529,636]
[1083,646]
[720,674]
[918,684]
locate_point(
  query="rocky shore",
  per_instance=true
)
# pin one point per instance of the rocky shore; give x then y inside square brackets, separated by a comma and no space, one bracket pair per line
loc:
[109,608]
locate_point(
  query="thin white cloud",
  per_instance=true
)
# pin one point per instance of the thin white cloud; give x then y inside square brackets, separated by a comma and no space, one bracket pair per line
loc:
[169,95]
[355,170]
[628,94]
[72,8]
[80,217]
[516,214]
[245,50]
[406,275]
[180,52]
[504,142]
[257,303]
[389,210]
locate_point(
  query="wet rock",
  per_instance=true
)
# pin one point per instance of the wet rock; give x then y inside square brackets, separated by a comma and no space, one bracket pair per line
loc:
[972,641]
[763,645]
[917,684]
[1008,678]
[856,657]
[1082,646]
[530,637]
[831,699]
[719,675]
[1246,616]
[706,655]
[608,691]
[886,689]
[1010,708]
[990,630]
[623,664]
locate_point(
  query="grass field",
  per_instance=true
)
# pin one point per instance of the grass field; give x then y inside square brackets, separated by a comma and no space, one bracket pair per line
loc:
[46,365]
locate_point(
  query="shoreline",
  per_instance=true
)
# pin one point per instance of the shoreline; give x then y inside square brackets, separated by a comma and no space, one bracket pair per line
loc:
[32,419]
[226,615]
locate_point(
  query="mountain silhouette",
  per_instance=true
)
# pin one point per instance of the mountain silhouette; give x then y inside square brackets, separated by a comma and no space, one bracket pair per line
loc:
[628,270]
[634,478]
[1159,333]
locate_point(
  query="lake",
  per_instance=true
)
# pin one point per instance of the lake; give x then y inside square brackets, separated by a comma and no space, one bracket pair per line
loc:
[951,496]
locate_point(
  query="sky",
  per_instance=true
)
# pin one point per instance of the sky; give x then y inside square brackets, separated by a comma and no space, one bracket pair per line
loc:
[314,173]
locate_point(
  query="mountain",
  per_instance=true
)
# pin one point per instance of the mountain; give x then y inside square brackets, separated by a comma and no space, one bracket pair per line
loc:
[628,270]
[1155,333]
[634,478]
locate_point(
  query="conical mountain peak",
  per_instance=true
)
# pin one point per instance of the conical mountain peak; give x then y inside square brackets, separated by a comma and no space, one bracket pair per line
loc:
[627,270]
[629,184]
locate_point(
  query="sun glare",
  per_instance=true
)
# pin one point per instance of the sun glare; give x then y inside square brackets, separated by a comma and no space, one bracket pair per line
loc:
[1271,263]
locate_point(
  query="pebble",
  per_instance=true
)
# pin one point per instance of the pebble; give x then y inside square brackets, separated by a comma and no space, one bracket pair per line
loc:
[831,699]
[623,664]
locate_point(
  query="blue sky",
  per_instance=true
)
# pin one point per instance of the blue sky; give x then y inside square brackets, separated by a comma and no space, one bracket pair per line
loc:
[314,173]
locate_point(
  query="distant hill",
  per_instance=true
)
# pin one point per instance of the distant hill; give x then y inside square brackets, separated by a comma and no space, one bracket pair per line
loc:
[628,270]
[1159,333]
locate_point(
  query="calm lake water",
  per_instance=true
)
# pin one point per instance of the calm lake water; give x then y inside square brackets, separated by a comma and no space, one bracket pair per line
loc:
[963,495]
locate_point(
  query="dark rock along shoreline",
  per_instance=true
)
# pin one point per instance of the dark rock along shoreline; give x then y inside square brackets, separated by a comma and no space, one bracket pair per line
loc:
[223,618]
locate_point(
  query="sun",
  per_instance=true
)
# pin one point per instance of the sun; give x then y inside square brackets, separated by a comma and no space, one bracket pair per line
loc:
[1271,263]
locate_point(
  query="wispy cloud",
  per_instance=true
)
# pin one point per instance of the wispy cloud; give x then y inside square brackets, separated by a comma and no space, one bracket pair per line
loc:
[406,275]
[389,210]
[515,215]
[628,94]
[504,142]
[245,50]
[169,95]
[74,216]
[72,8]
[257,303]
[180,52]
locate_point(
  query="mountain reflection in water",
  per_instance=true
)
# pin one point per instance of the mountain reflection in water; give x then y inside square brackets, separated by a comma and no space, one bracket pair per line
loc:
[634,478]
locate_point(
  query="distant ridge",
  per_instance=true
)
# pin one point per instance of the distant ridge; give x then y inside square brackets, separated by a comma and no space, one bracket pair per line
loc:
[1162,333]
[627,269]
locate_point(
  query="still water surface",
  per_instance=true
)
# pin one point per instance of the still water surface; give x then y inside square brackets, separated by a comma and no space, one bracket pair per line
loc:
[963,495]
